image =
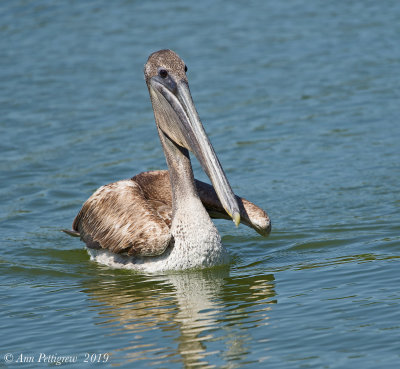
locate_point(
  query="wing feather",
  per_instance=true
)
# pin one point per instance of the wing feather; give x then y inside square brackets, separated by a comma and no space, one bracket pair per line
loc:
[156,186]
[119,217]
[250,214]
[134,216]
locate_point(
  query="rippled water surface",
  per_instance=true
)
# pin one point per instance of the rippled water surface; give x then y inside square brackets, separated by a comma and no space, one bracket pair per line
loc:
[301,102]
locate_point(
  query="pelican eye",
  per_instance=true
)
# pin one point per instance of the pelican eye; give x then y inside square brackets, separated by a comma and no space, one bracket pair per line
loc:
[185,68]
[163,73]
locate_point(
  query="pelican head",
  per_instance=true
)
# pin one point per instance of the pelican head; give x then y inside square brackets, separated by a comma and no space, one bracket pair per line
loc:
[179,124]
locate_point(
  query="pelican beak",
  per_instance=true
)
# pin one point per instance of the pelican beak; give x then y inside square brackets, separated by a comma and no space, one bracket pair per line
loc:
[181,123]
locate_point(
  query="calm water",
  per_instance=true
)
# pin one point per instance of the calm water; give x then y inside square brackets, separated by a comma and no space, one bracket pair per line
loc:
[301,102]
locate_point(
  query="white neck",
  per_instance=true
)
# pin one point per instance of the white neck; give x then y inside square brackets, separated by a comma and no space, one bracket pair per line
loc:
[196,241]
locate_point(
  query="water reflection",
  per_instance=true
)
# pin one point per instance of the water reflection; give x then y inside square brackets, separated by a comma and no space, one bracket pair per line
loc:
[200,314]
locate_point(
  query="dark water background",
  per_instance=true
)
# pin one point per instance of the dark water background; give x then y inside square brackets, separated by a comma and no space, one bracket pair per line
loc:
[301,102]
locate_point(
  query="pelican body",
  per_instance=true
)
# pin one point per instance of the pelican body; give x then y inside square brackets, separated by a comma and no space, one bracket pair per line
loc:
[160,220]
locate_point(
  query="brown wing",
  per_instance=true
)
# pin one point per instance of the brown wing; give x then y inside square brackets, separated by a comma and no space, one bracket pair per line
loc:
[156,186]
[120,218]
[134,216]
[250,214]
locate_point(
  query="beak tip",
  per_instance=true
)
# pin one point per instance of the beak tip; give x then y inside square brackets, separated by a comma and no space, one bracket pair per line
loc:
[236,218]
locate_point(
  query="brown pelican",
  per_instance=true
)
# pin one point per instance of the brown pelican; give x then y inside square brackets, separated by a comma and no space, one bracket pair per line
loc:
[160,220]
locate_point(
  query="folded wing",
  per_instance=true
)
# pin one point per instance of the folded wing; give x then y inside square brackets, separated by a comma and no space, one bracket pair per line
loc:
[133,216]
[119,217]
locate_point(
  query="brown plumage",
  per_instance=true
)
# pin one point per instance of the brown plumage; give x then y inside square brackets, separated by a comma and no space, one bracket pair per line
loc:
[144,215]
[134,216]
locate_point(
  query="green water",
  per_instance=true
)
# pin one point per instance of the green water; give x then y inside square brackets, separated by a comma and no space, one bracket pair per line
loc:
[301,102]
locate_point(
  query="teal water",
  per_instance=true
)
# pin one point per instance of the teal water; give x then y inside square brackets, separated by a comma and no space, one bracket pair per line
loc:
[301,102]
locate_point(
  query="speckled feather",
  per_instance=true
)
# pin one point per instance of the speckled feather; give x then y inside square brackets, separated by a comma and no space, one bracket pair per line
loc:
[165,59]
[134,216]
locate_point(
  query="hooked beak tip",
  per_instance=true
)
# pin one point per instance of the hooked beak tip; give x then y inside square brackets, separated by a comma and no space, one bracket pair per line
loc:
[236,218]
